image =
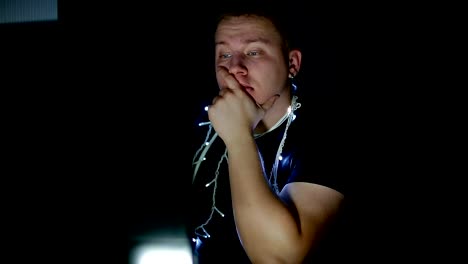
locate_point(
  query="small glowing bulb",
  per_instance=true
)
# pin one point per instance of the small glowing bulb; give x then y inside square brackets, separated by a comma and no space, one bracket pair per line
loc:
[204,123]
[219,212]
[206,108]
[207,143]
[280,157]
[208,184]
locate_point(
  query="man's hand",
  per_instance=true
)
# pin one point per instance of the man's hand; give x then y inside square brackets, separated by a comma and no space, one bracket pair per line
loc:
[234,113]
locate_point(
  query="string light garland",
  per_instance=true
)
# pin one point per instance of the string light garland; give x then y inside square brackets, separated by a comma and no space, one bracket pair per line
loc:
[201,153]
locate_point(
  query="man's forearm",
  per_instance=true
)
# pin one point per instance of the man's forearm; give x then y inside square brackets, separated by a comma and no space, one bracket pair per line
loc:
[264,223]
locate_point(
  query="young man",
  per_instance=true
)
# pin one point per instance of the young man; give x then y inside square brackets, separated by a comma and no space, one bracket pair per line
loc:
[265,190]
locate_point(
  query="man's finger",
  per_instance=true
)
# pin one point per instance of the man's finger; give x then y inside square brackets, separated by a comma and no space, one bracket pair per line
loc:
[229,80]
[223,91]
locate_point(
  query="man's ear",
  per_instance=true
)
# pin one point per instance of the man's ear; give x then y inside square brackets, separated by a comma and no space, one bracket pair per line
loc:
[295,58]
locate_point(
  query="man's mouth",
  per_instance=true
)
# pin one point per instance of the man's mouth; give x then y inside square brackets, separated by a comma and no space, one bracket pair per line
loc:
[248,88]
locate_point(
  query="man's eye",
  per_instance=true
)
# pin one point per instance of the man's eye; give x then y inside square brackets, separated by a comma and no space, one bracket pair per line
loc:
[225,56]
[253,53]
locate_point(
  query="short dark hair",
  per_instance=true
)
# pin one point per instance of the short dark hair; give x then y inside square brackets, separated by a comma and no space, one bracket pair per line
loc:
[276,13]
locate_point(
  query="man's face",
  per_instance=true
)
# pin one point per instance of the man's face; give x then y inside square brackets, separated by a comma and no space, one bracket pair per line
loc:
[250,49]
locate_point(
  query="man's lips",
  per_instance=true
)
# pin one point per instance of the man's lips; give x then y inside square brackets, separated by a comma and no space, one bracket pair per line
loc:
[246,87]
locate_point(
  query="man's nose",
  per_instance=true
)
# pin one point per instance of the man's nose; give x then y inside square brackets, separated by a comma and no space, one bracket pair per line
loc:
[237,64]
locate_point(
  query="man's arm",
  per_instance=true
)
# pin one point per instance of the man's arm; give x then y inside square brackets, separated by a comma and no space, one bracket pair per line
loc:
[275,229]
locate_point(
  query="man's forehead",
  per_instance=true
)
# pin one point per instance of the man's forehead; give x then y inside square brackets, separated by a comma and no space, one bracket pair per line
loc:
[241,22]
[246,31]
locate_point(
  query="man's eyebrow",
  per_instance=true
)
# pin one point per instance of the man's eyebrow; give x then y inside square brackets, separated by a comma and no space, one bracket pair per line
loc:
[247,41]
